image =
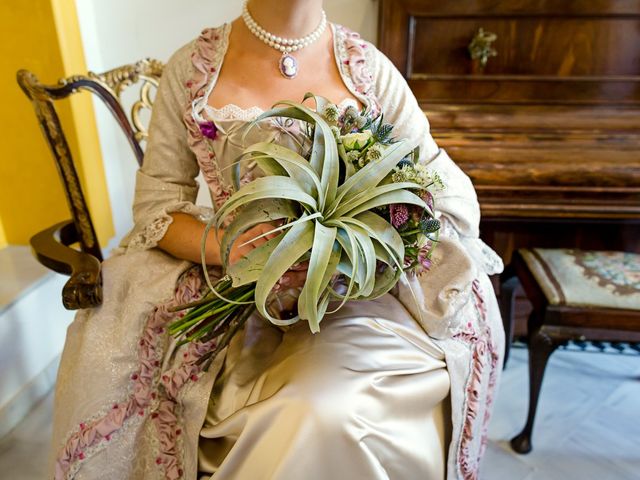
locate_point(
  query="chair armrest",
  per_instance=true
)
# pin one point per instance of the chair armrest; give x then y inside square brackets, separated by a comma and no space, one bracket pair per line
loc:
[51,249]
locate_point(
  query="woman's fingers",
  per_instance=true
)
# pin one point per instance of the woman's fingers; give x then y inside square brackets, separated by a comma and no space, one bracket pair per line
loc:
[255,237]
[268,227]
[293,279]
[300,267]
[296,275]
[250,238]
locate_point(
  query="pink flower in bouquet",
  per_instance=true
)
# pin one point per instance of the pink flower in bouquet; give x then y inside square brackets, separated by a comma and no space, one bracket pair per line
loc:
[427,197]
[423,258]
[399,214]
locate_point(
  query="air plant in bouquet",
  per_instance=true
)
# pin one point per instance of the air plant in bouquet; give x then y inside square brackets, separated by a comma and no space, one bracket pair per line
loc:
[357,207]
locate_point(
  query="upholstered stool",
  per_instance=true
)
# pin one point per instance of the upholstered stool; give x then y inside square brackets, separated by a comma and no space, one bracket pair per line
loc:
[576,295]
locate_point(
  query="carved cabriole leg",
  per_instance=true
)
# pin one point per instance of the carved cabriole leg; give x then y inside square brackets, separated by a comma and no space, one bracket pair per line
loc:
[83,290]
[541,346]
[508,286]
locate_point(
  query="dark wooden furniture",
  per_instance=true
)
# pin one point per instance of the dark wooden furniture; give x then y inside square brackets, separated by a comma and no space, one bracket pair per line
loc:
[52,247]
[548,128]
[552,324]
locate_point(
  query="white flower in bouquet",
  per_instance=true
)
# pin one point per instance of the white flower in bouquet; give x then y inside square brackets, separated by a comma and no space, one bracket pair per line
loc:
[356,140]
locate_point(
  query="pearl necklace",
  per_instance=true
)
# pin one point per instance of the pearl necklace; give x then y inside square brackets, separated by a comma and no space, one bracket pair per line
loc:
[287,64]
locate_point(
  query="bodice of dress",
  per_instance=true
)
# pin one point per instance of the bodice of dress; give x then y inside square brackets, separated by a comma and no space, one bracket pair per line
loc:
[235,132]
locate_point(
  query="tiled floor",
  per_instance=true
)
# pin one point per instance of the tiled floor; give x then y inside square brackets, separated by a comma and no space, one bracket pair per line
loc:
[23,453]
[588,425]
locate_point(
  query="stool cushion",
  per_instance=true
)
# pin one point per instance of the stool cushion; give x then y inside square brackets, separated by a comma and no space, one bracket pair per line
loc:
[586,278]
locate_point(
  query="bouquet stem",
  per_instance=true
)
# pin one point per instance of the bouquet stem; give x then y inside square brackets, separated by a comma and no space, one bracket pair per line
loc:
[212,316]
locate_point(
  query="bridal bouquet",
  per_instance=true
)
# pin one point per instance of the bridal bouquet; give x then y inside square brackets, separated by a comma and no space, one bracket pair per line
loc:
[357,208]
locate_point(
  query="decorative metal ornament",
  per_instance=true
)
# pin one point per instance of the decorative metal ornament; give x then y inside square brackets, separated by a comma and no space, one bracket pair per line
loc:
[481,48]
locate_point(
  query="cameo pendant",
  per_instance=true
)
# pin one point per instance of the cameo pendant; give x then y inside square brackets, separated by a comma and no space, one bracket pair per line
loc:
[288,66]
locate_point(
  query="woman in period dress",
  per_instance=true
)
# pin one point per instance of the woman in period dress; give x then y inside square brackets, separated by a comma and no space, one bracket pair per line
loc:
[392,388]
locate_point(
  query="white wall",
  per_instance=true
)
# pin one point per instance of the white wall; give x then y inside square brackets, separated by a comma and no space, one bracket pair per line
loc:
[32,333]
[117,32]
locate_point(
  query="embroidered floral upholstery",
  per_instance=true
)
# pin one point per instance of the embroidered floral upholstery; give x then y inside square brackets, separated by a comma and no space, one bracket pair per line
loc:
[586,278]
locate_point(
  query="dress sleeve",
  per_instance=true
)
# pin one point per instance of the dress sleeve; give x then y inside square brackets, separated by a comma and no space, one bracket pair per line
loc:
[436,298]
[166,182]
[458,203]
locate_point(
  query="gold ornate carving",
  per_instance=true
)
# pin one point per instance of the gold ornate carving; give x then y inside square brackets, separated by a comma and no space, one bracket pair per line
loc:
[147,71]
[145,102]
[68,171]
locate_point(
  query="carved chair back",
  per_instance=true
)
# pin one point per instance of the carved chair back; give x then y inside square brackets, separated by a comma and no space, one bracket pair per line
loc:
[109,87]
[52,246]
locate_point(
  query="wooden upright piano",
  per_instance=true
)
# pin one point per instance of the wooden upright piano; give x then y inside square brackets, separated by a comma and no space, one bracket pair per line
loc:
[549,128]
[539,102]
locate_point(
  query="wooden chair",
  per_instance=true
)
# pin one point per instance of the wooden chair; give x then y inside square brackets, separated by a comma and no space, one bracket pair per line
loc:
[576,295]
[52,246]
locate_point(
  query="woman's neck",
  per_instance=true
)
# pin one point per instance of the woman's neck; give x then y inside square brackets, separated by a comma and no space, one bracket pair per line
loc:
[287,18]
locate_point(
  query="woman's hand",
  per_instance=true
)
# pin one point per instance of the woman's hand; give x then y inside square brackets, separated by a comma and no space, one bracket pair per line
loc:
[294,277]
[182,240]
[238,250]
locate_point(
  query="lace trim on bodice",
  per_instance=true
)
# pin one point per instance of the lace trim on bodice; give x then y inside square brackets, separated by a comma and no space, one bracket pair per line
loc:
[209,51]
[231,111]
[354,58]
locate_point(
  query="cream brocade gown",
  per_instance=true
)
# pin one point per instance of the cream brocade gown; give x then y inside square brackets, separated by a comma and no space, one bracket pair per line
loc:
[363,399]
[391,388]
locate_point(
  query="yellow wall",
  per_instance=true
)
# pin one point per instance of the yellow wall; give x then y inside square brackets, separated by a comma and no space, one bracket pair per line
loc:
[85,140]
[3,237]
[43,36]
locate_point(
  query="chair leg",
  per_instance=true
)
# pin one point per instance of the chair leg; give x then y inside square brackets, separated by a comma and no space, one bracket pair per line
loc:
[508,288]
[541,346]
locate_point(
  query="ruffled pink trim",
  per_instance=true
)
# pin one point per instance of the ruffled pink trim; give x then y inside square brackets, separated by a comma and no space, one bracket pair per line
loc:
[149,394]
[484,355]
[355,61]
[205,58]
[165,416]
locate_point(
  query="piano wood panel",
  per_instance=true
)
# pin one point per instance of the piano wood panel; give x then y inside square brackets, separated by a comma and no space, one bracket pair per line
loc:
[563,52]
[551,128]
[555,47]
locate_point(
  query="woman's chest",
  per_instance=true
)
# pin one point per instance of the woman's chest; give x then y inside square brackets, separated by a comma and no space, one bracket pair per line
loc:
[255,81]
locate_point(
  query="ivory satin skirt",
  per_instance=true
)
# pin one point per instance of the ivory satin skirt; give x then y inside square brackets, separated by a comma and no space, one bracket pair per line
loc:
[366,398]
